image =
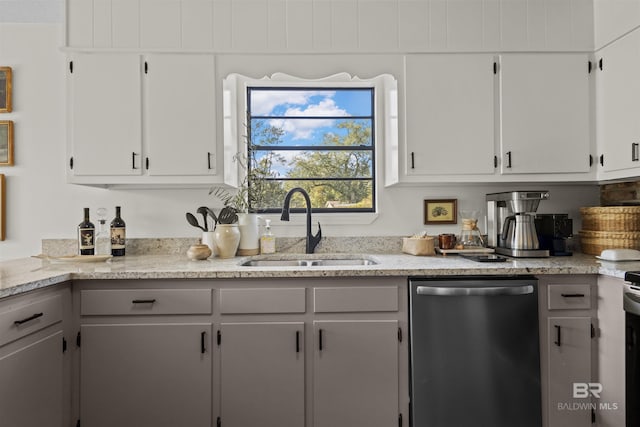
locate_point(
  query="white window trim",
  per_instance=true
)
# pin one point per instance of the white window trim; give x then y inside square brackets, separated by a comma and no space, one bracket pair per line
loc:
[386,130]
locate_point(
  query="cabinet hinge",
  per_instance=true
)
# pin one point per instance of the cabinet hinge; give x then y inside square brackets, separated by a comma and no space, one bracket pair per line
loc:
[219,337]
[495,67]
[600,64]
[399,334]
[71,162]
[593,416]
[601,159]
[146,67]
[64,344]
[218,422]
[399,420]
[71,67]
[78,340]
[495,162]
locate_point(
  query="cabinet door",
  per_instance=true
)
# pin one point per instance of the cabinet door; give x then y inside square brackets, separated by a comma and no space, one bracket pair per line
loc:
[544,113]
[31,379]
[569,355]
[105,114]
[180,114]
[450,114]
[618,94]
[262,374]
[355,379]
[134,375]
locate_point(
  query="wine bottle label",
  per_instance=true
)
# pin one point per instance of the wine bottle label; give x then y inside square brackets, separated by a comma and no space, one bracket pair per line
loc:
[87,236]
[118,238]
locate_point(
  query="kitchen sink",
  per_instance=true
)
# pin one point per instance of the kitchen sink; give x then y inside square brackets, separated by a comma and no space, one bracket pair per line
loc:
[310,262]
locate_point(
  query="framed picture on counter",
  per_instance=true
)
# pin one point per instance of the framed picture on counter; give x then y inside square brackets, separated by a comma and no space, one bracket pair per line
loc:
[5,89]
[3,199]
[6,143]
[441,211]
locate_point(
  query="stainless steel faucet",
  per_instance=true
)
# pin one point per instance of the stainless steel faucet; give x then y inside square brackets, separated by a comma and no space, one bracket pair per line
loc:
[312,241]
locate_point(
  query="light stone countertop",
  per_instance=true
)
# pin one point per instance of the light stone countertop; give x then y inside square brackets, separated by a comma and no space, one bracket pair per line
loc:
[22,275]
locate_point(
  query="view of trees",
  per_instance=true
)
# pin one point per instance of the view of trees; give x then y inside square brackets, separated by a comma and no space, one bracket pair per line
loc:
[344,176]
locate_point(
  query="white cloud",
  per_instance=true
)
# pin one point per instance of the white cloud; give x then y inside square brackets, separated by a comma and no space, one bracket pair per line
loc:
[304,128]
[263,102]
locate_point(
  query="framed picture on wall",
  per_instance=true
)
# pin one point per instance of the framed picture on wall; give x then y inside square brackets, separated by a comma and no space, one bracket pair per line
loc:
[441,211]
[6,143]
[3,199]
[5,89]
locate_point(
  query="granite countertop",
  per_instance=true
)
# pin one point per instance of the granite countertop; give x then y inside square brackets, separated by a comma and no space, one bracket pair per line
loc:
[22,275]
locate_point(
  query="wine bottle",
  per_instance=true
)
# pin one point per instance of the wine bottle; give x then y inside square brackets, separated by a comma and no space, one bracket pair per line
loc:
[118,235]
[86,235]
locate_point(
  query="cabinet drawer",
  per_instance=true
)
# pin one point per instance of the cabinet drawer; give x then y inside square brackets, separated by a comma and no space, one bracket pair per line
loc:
[345,299]
[31,317]
[136,302]
[569,297]
[259,301]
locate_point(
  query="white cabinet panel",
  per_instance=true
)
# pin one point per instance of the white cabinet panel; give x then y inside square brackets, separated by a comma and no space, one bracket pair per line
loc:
[464,29]
[299,25]
[277,19]
[79,23]
[322,25]
[222,24]
[449,113]
[378,25]
[513,24]
[160,24]
[105,114]
[267,390]
[249,26]
[180,111]
[126,23]
[343,31]
[355,373]
[197,24]
[413,25]
[102,23]
[545,116]
[438,25]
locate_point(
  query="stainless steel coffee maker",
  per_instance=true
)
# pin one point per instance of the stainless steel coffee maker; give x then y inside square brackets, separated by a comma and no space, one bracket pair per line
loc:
[511,229]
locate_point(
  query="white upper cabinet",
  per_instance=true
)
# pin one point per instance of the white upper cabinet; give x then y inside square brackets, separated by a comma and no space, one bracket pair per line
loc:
[618,118]
[104,103]
[449,114]
[545,114]
[180,112]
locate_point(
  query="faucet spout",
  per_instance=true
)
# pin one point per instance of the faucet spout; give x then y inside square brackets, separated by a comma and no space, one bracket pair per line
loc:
[312,240]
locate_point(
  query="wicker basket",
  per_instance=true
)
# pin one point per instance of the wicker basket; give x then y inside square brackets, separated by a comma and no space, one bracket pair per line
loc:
[423,246]
[611,218]
[594,242]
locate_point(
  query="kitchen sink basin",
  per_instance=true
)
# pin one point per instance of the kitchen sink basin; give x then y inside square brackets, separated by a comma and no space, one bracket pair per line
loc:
[328,262]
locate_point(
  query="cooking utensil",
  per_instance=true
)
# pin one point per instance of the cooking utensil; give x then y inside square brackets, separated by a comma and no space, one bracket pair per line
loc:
[202,210]
[213,215]
[193,221]
[227,216]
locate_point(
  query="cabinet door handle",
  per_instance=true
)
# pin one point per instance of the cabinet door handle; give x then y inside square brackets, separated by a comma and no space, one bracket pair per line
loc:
[508,166]
[558,340]
[143,301]
[28,319]
[413,160]
[133,161]
[572,295]
[635,155]
[320,341]
[208,160]
[203,347]
[297,341]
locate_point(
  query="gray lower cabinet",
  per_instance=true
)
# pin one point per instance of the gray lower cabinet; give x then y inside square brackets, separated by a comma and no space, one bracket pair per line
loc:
[135,375]
[33,370]
[355,380]
[567,346]
[262,374]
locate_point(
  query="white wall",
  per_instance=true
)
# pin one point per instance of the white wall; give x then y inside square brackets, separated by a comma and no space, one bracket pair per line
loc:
[40,204]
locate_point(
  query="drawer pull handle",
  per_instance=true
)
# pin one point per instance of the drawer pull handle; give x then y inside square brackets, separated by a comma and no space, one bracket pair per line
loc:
[558,340]
[572,295]
[28,319]
[320,343]
[143,301]
[297,341]
[203,348]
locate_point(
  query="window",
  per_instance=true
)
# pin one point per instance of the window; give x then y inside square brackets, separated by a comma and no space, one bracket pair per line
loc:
[322,135]
[319,139]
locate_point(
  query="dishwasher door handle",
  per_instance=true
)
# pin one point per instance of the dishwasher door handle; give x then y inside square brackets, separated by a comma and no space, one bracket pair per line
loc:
[631,303]
[474,291]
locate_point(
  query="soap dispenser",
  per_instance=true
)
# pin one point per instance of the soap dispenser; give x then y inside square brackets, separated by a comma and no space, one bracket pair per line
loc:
[267,240]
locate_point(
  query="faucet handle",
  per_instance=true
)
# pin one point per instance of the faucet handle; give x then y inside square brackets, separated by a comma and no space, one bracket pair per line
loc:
[319,233]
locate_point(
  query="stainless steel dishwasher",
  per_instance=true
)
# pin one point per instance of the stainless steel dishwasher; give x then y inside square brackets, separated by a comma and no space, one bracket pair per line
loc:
[475,352]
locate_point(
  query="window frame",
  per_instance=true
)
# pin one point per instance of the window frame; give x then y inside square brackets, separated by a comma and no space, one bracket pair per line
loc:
[319,148]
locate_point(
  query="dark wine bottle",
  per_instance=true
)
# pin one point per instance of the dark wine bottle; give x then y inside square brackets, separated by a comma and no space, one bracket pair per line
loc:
[86,235]
[118,235]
